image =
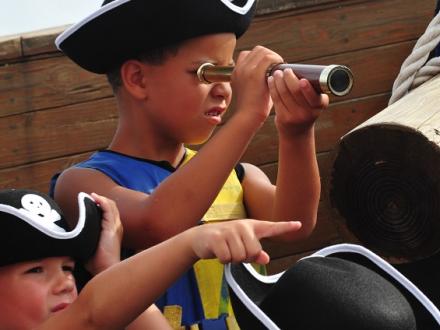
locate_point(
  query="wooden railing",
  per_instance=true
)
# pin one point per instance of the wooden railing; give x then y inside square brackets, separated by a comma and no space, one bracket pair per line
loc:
[53,114]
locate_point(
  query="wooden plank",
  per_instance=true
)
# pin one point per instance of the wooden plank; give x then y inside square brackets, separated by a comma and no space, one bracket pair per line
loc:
[20,47]
[47,83]
[325,162]
[374,69]
[44,135]
[55,82]
[10,47]
[41,41]
[325,233]
[341,29]
[272,6]
[332,124]
[37,175]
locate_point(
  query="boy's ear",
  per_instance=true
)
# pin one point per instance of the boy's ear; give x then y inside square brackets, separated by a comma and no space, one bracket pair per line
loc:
[134,78]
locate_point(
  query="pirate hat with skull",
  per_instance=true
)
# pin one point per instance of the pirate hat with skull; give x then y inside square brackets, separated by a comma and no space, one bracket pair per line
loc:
[122,29]
[33,227]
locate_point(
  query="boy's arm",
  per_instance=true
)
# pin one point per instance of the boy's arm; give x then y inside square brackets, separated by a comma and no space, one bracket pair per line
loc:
[181,200]
[297,190]
[115,297]
[108,253]
[152,318]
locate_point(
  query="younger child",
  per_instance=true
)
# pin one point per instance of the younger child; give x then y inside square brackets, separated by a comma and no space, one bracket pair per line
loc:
[37,288]
[151,52]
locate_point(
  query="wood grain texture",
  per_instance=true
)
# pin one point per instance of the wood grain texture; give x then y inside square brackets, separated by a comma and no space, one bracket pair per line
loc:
[54,114]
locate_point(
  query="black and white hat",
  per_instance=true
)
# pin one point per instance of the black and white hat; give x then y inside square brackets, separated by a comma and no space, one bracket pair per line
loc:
[343,286]
[32,227]
[122,29]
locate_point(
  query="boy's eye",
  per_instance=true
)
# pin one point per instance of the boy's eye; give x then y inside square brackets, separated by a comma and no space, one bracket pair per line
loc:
[68,268]
[35,270]
[193,71]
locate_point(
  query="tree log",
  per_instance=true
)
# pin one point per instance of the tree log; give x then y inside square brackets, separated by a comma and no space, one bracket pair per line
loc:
[385,179]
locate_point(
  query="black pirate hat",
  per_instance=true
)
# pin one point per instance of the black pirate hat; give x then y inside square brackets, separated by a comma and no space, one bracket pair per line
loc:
[340,287]
[32,226]
[122,29]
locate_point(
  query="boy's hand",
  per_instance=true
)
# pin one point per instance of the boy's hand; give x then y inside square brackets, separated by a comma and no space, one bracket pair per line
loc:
[249,83]
[108,251]
[238,240]
[297,104]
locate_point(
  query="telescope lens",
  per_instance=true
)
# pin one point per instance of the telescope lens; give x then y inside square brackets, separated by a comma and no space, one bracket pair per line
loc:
[340,81]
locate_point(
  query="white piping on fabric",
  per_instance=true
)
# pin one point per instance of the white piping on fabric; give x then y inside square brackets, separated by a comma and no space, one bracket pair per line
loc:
[259,314]
[77,26]
[239,10]
[383,264]
[111,5]
[268,279]
[58,235]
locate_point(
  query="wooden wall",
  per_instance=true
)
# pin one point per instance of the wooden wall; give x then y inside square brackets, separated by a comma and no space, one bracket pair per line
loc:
[53,114]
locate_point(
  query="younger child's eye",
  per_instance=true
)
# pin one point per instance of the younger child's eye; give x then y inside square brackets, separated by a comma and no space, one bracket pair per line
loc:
[35,270]
[68,268]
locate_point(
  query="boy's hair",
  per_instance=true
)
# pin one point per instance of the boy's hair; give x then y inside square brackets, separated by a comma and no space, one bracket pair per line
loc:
[156,56]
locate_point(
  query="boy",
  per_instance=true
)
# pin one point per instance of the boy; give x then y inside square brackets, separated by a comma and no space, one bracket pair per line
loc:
[37,289]
[150,51]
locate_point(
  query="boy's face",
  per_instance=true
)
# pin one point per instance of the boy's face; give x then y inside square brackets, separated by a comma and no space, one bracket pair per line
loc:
[184,109]
[30,292]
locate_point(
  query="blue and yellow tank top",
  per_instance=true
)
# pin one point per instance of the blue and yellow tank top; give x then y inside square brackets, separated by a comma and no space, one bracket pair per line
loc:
[200,297]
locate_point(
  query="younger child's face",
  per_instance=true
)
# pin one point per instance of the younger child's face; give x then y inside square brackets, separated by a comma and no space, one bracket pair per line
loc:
[184,107]
[30,292]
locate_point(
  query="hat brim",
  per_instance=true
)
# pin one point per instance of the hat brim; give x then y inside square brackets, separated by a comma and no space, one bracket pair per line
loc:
[253,295]
[26,235]
[122,29]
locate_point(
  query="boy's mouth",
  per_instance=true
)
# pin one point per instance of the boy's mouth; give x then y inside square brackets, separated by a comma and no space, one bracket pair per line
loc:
[59,307]
[214,112]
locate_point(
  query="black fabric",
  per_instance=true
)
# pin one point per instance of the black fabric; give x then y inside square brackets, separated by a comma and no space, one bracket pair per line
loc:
[239,170]
[332,293]
[33,227]
[102,43]
[326,293]
[257,292]
[423,273]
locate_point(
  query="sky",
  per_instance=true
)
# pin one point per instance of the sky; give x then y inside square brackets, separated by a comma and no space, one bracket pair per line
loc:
[21,16]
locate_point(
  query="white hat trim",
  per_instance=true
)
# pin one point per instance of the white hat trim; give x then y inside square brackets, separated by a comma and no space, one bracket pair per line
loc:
[49,229]
[338,248]
[239,10]
[77,26]
[255,310]
[111,5]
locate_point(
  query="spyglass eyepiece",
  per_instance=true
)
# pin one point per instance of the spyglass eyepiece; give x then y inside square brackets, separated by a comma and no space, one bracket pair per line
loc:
[330,79]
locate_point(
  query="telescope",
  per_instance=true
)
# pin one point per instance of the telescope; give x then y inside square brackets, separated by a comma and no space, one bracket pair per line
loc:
[330,79]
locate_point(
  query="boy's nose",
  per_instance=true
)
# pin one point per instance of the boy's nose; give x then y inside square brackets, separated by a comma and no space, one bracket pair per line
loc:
[64,283]
[221,89]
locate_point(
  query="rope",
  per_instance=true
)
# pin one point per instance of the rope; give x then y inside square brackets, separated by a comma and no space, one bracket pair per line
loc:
[415,70]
